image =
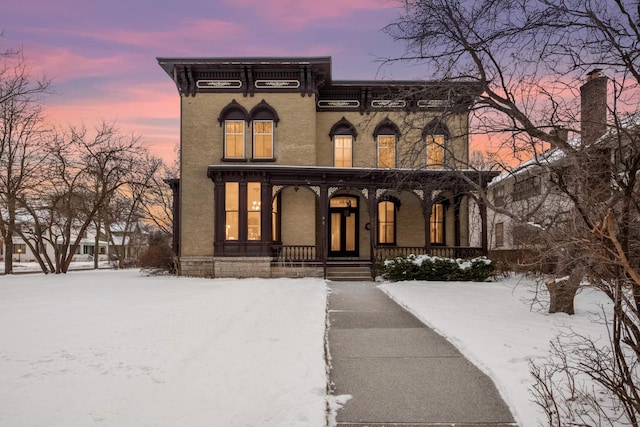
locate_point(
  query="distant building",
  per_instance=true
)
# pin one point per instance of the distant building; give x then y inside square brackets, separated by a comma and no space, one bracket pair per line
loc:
[287,172]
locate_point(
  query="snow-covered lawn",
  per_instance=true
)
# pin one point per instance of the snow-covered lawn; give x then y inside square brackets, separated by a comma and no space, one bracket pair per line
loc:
[113,348]
[494,325]
[116,348]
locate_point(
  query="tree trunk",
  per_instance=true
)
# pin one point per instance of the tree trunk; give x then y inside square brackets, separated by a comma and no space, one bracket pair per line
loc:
[562,291]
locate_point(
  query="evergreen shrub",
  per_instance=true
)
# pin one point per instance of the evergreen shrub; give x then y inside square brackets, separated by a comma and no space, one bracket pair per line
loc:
[425,267]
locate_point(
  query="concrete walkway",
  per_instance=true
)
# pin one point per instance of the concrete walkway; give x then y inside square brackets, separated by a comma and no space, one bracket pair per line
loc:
[399,372]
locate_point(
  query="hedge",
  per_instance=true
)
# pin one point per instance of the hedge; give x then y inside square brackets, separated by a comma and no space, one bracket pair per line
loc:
[425,267]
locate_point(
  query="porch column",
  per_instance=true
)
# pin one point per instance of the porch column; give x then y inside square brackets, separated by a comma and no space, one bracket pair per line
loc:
[266,208]
[427,204]
[482,206]
[373,224]
[324,214]
[457,201]
[218,214]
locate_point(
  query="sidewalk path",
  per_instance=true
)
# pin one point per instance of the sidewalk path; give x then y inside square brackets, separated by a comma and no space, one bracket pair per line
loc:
[400,372]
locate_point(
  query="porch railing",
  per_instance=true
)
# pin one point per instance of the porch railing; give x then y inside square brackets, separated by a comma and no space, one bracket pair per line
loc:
[295,253]
[383,252]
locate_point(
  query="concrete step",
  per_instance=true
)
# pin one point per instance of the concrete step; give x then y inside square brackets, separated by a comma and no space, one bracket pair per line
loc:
[344,273]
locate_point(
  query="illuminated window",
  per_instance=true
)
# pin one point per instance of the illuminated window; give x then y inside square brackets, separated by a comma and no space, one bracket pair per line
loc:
[265,119]
[262,139]
[437,223]
[386,151]
[386,134]
[234,139]
[232,210]
[343,151]
[435,151]
[234,117]
[386,223]
[253,211]
[343,134]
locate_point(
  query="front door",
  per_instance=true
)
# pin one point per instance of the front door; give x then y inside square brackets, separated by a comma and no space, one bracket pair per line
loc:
[343,226]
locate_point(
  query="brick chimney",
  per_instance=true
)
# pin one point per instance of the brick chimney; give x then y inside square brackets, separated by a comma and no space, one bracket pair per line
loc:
[593,107]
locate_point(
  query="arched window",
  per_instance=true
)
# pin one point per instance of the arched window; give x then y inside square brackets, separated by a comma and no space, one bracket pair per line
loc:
[435,136]
[343,134]
[264,119]
[386,135]
[234,117]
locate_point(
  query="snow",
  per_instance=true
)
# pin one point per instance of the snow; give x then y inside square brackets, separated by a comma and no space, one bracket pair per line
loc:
[498,328]
[115,348]
[112,348]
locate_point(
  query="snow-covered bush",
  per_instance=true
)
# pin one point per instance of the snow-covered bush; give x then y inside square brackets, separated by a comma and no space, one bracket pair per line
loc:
[425,267]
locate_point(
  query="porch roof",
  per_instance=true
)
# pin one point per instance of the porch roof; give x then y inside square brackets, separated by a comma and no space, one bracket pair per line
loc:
[356,177]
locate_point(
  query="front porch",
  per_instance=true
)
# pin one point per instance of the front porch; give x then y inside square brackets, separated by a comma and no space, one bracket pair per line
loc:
[305,256]
[305,220]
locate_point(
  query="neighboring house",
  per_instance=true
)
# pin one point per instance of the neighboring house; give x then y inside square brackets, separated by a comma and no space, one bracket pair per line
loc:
[529,189]
[287,172]
[85,251]
[126,241]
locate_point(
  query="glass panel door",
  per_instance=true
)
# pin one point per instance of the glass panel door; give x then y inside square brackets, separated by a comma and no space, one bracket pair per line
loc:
[343,227]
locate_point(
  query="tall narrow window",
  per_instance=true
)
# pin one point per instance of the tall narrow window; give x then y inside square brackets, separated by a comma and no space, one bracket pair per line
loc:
[499,231]
[343,134]
[234,139]
[386,223]
[435,151]
[386,151]
[253,211]
[343,151]
[386,134]
[234,117]
[231,209]
[437,223]
[265,119]
[263,139]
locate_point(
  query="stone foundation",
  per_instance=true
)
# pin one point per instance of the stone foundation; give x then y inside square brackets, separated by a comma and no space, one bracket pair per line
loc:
[196,266]
[242,267]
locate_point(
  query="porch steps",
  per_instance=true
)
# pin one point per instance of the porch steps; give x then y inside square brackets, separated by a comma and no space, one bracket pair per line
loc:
[349,273]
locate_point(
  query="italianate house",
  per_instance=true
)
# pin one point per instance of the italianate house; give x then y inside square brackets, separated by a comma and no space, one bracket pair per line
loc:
[287,172]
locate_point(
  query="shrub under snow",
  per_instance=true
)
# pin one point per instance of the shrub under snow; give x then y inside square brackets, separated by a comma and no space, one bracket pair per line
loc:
[425,267]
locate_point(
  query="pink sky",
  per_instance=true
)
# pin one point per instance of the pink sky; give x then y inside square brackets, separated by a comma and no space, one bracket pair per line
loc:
[101,56]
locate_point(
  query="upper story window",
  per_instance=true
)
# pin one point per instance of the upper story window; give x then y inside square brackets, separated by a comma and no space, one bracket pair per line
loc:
[386,135]
[435,136]
[264,119]
[234,117]
[525,188]
[343,134]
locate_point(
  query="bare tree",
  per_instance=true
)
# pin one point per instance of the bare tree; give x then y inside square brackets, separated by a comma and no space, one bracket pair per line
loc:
[21,136]
[526,56]
[85,171]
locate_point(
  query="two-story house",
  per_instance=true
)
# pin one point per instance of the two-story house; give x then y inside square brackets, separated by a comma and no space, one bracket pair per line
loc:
[287,172]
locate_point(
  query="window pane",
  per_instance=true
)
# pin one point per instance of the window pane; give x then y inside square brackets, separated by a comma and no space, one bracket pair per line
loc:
[336,217]
[253,211]
[234,139]
[437,223]
[350,244]
[386,151]
[263,139]
[342,144]
[435,151]
[231,207]
[343,202]
[386,222]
